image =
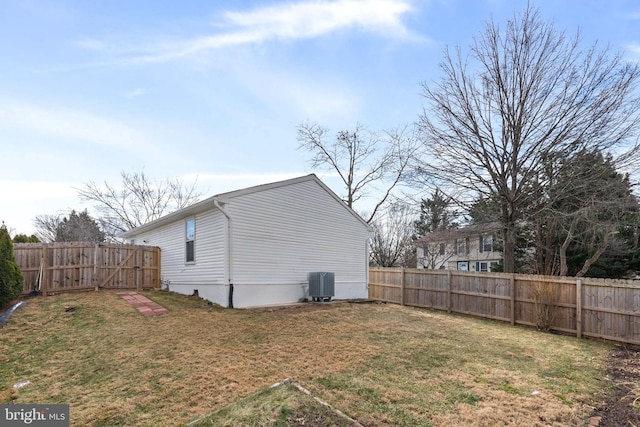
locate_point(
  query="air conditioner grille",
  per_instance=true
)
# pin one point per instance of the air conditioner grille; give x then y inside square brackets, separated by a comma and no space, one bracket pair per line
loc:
[321,286]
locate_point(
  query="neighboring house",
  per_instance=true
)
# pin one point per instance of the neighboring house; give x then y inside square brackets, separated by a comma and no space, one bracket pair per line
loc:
[470,248]
[256,246]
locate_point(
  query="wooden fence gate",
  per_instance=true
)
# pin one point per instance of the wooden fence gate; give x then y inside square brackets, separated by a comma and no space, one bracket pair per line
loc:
[65,267]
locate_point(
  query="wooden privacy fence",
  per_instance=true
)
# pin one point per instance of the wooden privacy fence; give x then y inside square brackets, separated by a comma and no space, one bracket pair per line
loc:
[65,267]
[600,308]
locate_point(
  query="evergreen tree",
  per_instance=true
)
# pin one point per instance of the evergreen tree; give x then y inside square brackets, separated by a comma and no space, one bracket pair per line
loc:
[587,219]
[79,227]
[11,279]
[23,238]
[484,210]
[435,215]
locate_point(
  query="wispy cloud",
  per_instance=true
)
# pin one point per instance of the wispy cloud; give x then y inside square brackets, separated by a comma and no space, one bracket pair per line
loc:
[288,21]
[134,93]
[634,48]
[312,19]
[218,183]
[91,44]
[240,176]
[24,191]
[26,199]
[71,124]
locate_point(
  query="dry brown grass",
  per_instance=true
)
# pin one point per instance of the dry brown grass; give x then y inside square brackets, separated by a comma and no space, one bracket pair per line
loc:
[380,364]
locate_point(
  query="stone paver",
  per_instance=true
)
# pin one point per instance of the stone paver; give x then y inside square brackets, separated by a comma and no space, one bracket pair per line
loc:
[142,303]
[594,421]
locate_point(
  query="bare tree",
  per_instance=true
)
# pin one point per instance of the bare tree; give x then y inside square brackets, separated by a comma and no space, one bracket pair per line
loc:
[364,161]
[391,238]
[47,226]
[520,96]
[137,200]
[434,254]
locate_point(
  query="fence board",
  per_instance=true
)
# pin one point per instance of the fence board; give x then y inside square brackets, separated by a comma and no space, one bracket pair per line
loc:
[66,267]
[601,308]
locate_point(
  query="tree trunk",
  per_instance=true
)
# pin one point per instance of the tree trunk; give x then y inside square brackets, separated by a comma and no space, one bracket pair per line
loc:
[603,247]
[509,238]
[508,252]
[563,255]
[564,268]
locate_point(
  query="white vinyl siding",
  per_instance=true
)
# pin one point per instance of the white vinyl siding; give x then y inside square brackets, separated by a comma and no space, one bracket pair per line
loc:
[281,234]
[209,264]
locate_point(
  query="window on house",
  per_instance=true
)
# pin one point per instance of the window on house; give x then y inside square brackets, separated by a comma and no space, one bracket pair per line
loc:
[484,266]
[461,246]
[190,240]
[441,248]
[486,243]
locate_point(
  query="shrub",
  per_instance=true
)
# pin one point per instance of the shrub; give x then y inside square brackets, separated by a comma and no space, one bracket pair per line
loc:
[23,238]
[11,280]
[544,298]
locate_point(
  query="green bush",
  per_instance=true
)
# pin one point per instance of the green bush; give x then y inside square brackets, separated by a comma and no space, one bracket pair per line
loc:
[23,238]
[11,280]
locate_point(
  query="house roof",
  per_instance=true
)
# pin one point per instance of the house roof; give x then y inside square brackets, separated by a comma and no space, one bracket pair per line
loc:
[207,204]
[457,233]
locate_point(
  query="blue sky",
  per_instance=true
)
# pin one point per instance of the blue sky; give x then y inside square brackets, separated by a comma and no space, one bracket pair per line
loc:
[215,89]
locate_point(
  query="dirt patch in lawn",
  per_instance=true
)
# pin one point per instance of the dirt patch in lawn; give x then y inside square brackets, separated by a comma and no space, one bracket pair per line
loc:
[622,404]
[283,404]
[382,365]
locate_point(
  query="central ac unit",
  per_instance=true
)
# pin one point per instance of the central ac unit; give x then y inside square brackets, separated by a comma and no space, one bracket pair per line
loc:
[321,286]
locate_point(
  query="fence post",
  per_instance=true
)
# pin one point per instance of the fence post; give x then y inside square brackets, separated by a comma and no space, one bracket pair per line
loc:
[96,282]
[448,291]
[158,277]
[137,270]
[579,308]
[512,282]
[44,277]
[402,287]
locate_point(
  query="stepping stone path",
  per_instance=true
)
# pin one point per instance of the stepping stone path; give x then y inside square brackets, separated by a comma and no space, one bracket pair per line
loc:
[142,303]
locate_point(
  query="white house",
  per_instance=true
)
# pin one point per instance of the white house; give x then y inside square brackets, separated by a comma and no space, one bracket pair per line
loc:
[256,246]
[469,248]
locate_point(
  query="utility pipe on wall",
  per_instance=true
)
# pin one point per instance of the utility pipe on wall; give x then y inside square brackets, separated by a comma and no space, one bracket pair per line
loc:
[229,250]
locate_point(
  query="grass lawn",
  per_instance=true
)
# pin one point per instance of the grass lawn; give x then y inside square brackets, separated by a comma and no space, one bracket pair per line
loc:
[383,365]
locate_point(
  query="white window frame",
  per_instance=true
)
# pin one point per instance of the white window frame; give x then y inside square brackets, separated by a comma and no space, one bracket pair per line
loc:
[190,240]
[463,244]
[486,243]
[489,264]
